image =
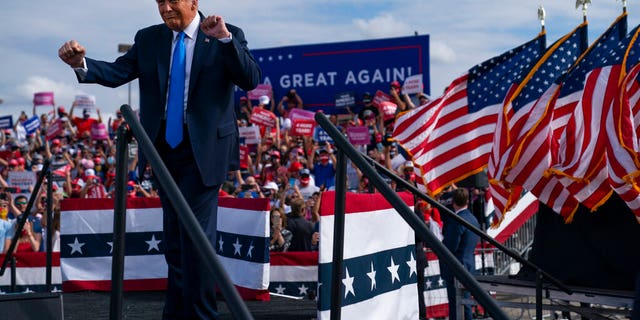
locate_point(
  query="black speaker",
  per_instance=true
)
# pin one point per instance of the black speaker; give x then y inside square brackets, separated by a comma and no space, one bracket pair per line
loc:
[27,306]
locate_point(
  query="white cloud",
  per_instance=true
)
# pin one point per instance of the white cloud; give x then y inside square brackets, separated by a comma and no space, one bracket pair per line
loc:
[385,25]
[441,52]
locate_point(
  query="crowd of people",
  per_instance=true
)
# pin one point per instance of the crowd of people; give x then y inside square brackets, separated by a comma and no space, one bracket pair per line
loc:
[292,171]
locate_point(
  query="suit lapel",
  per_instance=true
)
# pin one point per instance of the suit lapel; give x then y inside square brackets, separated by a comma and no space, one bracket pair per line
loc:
[164,58]
[200,52]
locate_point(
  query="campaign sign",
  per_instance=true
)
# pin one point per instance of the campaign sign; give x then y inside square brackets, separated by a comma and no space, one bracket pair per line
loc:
[296,114]
[22,179]
[85,101]
[345,99]
[303,127]
[32,124]
[6,122]
[259,91]
[55,129]
[43,99]
[263,117]
[380,97]
[358,135]
[413,84]
[99,131]
[388,109]
[251,134]
[320,71]
[322,136]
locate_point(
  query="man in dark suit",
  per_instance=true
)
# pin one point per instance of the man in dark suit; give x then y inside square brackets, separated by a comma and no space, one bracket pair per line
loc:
[199,144]
[462,243]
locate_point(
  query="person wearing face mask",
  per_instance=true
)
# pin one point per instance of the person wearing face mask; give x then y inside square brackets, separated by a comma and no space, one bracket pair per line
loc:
[322,164]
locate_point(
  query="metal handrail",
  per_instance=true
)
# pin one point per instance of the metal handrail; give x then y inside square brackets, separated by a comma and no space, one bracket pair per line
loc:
[25,215]
[410,217]
[186,217]
[553,280]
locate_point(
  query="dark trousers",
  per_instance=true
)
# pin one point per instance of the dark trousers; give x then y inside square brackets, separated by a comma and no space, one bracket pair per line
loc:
[451,296]
[191,291]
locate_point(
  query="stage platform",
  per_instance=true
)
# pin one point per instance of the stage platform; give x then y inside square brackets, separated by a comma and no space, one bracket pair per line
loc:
[148,305]
[596,303]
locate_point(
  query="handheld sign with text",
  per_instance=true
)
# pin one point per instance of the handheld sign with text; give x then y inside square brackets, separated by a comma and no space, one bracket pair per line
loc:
[321,135]
[251,134]
[302,122]
[412,84]
[55,129]
[388,110]
[6,122]
[359,135]
[85,101]
[22,179]
[99,131]
[43,99]
[345,99]
[303,127]
[263,117]
[380,97]
[260,90]
[296,114]
[32,124]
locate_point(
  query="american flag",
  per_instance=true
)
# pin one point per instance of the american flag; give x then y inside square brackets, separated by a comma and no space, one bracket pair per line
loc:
[522,108]
[451,137]
[86,230]
[621,125]
[379,276]
[561,132]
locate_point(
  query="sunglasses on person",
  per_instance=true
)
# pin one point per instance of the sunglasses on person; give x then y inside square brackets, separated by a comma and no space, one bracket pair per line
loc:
[21,203]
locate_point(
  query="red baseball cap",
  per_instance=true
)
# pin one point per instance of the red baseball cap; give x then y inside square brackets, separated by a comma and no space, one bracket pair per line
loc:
[396,84]
[295,166]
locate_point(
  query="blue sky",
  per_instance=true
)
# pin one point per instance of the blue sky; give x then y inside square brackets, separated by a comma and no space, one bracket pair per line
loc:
[462,33]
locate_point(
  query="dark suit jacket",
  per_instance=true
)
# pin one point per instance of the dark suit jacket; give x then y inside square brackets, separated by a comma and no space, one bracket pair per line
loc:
[460,241]
[216,69]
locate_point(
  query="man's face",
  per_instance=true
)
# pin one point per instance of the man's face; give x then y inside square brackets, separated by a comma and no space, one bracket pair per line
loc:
[177,14]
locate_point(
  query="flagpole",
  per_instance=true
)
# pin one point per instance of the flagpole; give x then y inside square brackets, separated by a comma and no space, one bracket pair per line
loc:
[585,4]
[541,16]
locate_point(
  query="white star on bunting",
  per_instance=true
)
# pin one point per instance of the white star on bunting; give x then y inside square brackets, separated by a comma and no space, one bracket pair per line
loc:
[220,243]
[303,289]
[412,266]
[153,243]
[250,251]
[393,269]
[76,246]
[348,284]
[372,276]
[236,247]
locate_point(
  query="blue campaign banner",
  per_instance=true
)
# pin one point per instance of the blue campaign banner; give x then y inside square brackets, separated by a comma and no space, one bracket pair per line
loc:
[318,72]
[32,124]
[6,122]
